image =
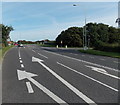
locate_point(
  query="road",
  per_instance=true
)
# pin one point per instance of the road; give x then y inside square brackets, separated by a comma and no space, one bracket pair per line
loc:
[34,74]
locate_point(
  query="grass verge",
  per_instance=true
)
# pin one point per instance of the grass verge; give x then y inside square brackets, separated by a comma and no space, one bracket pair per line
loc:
[102,53]
[46,45]
[4,50]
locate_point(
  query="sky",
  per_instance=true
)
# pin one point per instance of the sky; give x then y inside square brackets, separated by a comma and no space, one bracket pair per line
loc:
[46,20]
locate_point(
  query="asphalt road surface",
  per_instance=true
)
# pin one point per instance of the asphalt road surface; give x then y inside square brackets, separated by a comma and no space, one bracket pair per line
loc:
[34,74]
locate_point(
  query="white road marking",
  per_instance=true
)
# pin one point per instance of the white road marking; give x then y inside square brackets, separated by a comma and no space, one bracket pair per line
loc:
[19,53]
[88,77]
[102,59]
[20,61]
[94,64]
[115,61]
[42,55]
[75,90]
[83,55]
[26,75]
[75,54]
[22,66]
[91,57]
[24,47]
[19,58]
[102,71]
[29,87]
[33,50]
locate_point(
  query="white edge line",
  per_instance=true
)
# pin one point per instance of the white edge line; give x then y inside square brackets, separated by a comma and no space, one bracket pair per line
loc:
[87,77]
[29,87]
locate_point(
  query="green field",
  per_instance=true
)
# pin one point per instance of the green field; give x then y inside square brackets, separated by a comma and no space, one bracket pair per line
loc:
[102,53]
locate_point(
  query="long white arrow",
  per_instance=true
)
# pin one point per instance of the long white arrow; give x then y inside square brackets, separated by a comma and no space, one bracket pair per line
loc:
[26,75]
[102,71]
[75,90]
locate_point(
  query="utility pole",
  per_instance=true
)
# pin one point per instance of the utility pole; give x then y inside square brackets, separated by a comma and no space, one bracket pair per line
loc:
[118,19]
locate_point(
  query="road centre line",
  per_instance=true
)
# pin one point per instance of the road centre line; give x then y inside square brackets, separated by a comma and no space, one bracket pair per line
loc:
[33,50]
[22,66]
[20,61]
[42,55]
[88,77]
[94,64]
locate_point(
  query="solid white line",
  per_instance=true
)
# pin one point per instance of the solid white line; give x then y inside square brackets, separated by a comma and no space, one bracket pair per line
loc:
[29,87]
[20,61]
[42,55]
[88,77]
[94,64]
[48,92]
[75,90]
[105,73]
[22,66]
[102,59]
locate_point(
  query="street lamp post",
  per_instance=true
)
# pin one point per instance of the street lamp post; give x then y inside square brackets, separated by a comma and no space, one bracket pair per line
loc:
[118,20]
[84,33]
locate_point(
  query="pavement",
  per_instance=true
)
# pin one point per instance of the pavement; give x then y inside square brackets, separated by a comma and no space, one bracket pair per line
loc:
[34,74]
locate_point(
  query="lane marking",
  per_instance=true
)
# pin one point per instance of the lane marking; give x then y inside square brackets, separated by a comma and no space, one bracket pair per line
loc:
[75,54]
[33,50]
[115,61]
[102,59]
[102,71]
[94,64]
[75,90]
[91,57]
[19,53]
[29,87]
[20,58]
[22,66]
[42,55]
[20,61]
[83,55]
[27,75]
[88,77]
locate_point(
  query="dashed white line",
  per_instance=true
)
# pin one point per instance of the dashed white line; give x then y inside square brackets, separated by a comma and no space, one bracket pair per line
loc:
[22,66]
[75,54]
[88,77]
[42,55]
[29,87]
[91,57]
[102,59]
[19,57]
[115,61]
[20,61]
[33,50]
[83,55]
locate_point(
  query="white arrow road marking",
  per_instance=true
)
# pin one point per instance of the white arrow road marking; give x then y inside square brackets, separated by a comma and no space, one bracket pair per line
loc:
[88,77]
[42,55]
[94,64]
[26,75]
[30,89]
[102,71]
[75,90]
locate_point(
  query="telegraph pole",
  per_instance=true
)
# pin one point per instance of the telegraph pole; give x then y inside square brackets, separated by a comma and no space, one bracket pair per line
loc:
[118,20]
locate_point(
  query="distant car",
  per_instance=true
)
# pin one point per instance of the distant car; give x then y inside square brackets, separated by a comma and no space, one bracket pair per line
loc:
[20,45]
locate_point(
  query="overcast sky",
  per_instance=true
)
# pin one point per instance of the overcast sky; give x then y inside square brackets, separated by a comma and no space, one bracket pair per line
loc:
[45,20]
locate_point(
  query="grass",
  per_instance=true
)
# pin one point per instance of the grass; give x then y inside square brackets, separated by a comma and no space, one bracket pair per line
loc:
[102,53]
[4,50]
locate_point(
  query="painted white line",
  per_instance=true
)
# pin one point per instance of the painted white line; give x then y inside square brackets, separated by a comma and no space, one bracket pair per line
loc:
[115,61]
[20,58]
[24,47]
[102,59]
[83,55]
[88,77]
[75,90]
[22,66]
[33,50]
[42,55]
[19,53]
[91,57]
[29,87]
[94,64]
[75,54]
[102,71]
[20,61]
[27,75]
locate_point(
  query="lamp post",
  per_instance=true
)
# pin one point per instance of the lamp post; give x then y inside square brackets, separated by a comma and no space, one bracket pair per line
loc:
[118,19]
[84,33]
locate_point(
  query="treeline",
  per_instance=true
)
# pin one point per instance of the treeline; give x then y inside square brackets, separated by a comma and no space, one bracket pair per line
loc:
[5,34]
[99,36]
